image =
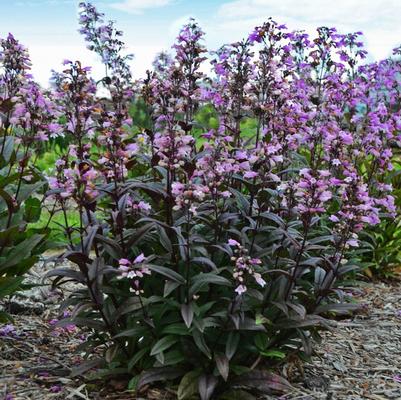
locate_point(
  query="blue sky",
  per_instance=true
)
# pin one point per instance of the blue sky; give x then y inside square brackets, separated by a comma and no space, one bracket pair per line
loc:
[49,27]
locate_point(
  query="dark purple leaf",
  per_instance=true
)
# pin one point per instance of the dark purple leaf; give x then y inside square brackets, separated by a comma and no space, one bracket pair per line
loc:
[167,272]
[66,272]
[263,381]
[158,374]
[206,386]
[232,344]
[187,313]
[222,365]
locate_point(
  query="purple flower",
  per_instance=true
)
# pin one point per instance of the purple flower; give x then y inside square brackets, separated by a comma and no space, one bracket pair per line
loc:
[7,330]
[56,389]
[334,218]
[259,279]
[241,289]
[233,242]
[250,174]
[139,259]
[256,36]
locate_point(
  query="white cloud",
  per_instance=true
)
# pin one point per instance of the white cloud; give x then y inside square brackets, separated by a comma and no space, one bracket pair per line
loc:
[47,57]
[177,24]
[232,21]
[345,11]
[378,20]
[139,6]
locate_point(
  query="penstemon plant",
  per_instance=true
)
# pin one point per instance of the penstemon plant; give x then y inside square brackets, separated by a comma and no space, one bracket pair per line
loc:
[205,255]
[26,121]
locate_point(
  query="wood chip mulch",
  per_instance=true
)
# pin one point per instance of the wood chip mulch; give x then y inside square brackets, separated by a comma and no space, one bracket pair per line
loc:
[361,358]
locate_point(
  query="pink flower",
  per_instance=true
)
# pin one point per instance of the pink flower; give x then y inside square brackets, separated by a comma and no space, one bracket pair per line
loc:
[250,174]
[139,259]
[132,148]
[259,279]
[177,188]
[233,242]
[144,206]
[226,194]
[333,218]
[240,289]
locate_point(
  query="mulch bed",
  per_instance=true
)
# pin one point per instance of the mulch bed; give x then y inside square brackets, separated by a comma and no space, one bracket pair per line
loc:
[359,359]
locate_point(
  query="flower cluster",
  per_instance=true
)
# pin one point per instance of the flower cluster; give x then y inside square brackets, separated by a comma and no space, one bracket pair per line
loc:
[135,206]
[133,271]
[313,191]
[245,267]
[189,195]
[35,113]
[78,183]
[15,62]
[105,39]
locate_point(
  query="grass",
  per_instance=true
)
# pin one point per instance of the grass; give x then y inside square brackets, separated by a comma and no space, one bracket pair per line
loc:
[57,224]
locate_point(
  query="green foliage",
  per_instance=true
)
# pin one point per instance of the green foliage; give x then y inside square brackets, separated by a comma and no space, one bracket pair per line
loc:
[207,117]
[139,113]
[55,224]
[20,242]
[46,161]
[380,253]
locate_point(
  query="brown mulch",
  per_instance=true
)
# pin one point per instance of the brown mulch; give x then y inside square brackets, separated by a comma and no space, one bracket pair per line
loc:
[359,359]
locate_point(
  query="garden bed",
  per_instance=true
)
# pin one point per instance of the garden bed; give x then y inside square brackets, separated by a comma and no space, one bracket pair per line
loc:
[360,359]
[214,222]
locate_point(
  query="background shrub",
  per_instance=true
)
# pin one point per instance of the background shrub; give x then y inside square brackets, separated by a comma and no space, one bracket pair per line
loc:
[25,115]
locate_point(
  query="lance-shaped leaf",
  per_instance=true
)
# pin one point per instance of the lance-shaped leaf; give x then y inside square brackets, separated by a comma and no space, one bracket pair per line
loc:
[188,385]
[263,381]
[201,280]
[158,374]
[21,251]
[167,272]
[222,365]
[232,344]
[206,386]
[163,344]
[187,313]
